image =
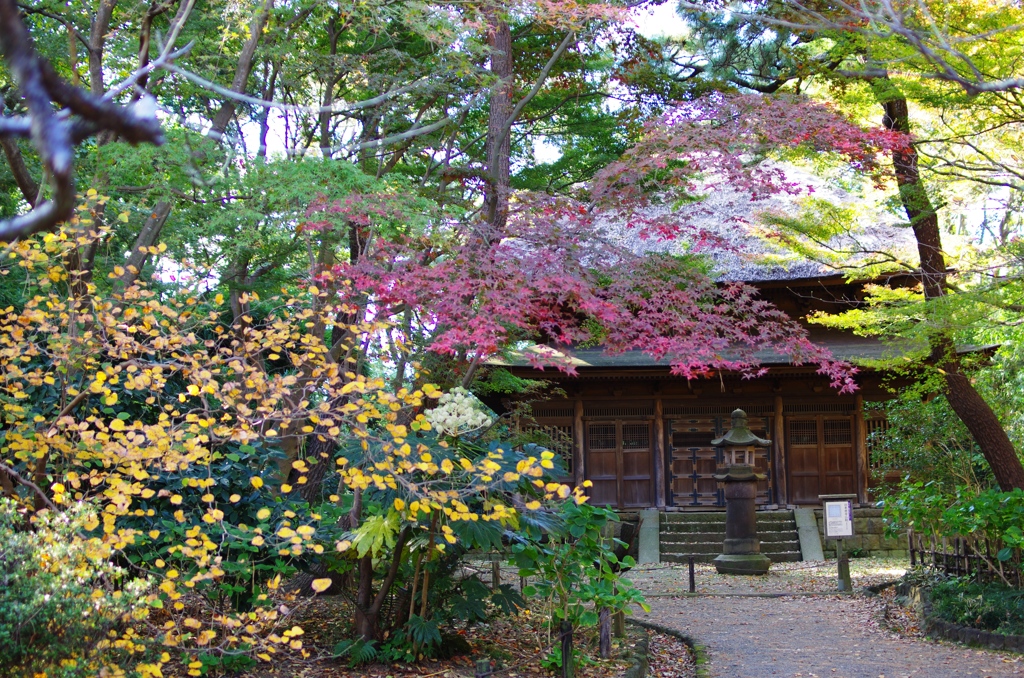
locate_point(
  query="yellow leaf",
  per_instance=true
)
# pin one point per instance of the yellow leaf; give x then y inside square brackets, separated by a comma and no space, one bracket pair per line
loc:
[263,513]
[123,217]
[321,585]
[256,482]
[175,499]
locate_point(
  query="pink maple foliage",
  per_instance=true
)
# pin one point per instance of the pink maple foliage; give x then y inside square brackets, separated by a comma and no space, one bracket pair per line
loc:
[555,278]
[720,141]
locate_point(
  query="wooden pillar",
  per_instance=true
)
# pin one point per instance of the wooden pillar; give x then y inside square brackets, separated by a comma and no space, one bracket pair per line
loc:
[860,449]
[578,460]
[779,454]
[659,454]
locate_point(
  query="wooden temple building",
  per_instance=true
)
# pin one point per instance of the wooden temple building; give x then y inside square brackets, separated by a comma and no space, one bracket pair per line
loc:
[643,437]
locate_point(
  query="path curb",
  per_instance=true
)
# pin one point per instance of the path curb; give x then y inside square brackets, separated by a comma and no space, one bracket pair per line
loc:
[917,597]
[640,661]
[700,658]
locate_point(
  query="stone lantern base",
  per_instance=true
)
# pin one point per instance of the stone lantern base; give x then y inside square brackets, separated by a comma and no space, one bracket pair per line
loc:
[741,550]
[742,563]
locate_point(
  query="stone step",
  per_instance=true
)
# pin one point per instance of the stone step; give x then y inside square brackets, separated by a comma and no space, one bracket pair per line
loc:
[686,537]
[784,557]
[669,547]
[718,516]
[689,528]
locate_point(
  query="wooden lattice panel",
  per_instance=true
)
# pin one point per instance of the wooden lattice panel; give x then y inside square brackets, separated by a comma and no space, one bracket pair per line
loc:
[560,440]
[821,457]
[693,462]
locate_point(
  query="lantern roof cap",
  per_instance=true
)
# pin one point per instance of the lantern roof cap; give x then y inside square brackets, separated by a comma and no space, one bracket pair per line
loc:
[740,434]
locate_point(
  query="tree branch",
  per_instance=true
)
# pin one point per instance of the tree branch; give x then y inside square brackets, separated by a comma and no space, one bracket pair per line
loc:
[541,79]
[29,484]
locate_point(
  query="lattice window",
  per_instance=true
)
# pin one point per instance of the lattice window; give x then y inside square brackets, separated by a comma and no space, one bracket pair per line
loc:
[642,408]
[876,428]
[803,433]
[636,437]
[819,408]
[688,408]
[554,410]
[561,442]
[601,436]
[838,432]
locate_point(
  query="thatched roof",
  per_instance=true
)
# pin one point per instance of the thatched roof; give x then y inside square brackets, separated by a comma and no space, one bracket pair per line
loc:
[744,250]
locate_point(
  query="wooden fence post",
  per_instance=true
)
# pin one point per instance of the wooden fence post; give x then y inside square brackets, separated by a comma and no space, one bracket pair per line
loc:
[567,667]
[605,626]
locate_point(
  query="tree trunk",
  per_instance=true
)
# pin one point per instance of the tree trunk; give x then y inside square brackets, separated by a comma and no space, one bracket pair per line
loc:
[496,195]
[242,70]
[965,400]
[146,238]
[26,183]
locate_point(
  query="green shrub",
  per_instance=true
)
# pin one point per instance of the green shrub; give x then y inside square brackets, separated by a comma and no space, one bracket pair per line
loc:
[992,607]
[60,596]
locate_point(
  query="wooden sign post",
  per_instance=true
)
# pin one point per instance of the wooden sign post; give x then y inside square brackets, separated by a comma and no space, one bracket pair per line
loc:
[838,519]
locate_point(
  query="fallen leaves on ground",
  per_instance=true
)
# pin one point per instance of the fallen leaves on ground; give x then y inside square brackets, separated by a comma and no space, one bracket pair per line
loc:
[670,657]
[514,647]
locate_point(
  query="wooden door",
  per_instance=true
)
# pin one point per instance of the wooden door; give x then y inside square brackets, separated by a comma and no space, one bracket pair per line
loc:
[602,464]
[637,464]
[693,462]
[619,462]
[820,457]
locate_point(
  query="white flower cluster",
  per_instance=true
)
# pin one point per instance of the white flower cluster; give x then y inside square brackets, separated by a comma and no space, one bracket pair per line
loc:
[458,412]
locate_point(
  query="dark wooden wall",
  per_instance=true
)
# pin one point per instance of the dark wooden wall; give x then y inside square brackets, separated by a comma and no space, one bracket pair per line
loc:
[644,440]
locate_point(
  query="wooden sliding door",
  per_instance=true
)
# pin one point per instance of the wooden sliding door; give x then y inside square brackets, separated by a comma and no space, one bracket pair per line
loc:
[620,456]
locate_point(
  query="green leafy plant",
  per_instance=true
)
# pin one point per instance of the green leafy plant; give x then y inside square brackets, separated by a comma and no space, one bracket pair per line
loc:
[574,572]
[992,607]
[61,598]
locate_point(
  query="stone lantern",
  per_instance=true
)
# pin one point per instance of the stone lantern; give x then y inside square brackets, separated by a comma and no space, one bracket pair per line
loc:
[741,551]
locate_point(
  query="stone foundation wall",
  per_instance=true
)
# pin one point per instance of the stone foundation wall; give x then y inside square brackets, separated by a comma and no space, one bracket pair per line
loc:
[869,535]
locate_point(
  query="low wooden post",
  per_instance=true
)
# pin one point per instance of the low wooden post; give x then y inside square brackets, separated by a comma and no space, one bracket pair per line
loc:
[495,571]
[845,584]
[605,627]
[619,624]
[693,581]
[910,540]
[567,667]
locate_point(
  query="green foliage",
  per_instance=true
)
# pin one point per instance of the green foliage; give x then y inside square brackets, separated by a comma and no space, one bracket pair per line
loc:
[174,515]
[926,441]
[991,607]
[575,571]
[60,596]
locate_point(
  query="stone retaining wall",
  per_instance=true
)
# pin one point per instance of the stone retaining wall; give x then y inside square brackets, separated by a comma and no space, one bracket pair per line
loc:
[869,535]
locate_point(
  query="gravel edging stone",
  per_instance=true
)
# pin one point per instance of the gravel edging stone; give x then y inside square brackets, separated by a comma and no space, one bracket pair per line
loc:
[699,657]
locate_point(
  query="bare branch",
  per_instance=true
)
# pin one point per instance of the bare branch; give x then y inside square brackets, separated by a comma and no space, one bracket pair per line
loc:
[22,480]
[541,79]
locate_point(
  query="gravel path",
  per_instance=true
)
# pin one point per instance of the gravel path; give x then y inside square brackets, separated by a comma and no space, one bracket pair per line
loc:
[748,635]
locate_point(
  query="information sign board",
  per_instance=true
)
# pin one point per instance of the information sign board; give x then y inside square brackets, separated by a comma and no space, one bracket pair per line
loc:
[838,519]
